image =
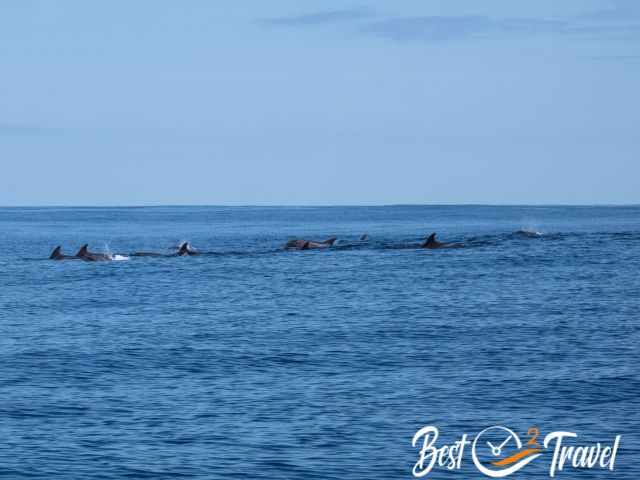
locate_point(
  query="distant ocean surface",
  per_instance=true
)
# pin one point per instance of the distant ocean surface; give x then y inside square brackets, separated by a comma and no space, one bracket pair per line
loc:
[254,362]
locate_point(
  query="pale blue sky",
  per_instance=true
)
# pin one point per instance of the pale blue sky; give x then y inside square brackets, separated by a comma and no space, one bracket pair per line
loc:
[319,102]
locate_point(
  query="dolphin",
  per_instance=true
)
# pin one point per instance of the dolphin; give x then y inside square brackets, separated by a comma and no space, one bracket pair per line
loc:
[300,244]
[528,233]
[364,237]
[88,256]
[58,255]
[184,249]
[431,242]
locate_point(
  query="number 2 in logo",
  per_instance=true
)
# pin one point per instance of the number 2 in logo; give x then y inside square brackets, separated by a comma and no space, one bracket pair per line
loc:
[533,433]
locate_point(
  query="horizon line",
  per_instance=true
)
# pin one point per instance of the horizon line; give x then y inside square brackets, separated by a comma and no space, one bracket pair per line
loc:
[319,205]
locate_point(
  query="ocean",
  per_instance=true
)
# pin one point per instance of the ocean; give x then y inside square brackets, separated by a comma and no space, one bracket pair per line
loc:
[249,361]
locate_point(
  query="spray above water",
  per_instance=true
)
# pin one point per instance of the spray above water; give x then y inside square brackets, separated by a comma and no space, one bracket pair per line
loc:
[529,229]
[528,232]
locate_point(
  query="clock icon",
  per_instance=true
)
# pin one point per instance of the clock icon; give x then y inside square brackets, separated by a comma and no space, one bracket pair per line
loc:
[497,452]
[498,438]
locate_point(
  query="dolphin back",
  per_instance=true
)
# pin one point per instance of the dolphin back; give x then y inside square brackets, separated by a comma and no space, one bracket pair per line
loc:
[431,240]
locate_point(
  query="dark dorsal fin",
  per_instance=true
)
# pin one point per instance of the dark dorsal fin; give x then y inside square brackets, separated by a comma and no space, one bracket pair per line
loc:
[431,239]
[184,249]
[305,245]
[364,237]
[57,253]
[83,250]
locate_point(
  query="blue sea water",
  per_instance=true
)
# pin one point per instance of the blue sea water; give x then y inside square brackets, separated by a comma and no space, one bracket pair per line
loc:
[253,362]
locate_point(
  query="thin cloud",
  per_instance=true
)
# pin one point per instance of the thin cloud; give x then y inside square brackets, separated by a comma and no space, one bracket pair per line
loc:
[620,11]
[319,18]
[614,58]
[441,29]
[19,129]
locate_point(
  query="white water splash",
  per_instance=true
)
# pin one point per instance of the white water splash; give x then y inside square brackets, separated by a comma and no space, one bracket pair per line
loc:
[530,232]
[113,256]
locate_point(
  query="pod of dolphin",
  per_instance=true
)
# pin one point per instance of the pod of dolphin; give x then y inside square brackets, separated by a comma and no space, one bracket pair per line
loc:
[185,249]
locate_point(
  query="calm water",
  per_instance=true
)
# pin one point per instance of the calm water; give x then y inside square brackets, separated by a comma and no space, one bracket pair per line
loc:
[251,362]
